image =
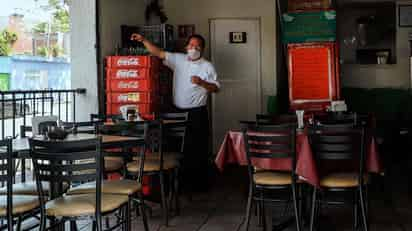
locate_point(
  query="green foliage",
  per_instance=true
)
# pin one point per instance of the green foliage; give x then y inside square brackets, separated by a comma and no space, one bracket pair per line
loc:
[7,39]
[42,51]
[55,51]
[60,21]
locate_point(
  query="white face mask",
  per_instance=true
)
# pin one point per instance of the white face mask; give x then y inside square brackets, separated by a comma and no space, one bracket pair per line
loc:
[193,54]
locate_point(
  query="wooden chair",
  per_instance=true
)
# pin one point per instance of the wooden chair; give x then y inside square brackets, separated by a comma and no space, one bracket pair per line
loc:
[344,144]
[13,206]
[270,142]
[72,162]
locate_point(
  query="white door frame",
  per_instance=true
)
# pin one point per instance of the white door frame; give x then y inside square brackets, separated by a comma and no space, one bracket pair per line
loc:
[259,62]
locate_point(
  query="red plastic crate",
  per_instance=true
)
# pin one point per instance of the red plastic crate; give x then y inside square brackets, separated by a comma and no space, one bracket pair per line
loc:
[308,5]
[128,85]
[132,62]
[143,108]
[131,97]
[131,73]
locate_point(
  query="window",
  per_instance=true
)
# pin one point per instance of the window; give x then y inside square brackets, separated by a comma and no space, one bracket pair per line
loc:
[35,38]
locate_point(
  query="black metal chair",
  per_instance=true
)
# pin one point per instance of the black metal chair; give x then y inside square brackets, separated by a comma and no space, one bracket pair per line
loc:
[270,142]
[155,163]
[133,129]
[337,149]
[72,162]
[13,206]
[89,127]
[174,133]
[115,160]
[104,118]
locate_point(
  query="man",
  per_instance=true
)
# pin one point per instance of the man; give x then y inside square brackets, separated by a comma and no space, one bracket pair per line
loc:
[194,79]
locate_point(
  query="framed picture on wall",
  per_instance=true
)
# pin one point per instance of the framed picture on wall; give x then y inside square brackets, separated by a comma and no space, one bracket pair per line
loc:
[405,15]
[185,31]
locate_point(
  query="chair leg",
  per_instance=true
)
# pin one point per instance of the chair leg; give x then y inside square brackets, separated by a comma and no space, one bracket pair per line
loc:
[42,221]
[312,215]
[164,201]
[363,209]
[171,195]
[295,207]
[99,224]
[258,211]
[107,220]
[176,189]
[248,208]
[128,215]
[19,221]
[144,217]
[300,204]
[263,213]
[73,226]
[355,211]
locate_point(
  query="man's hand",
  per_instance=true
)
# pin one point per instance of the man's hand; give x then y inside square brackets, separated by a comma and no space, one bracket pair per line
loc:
[197,80]
[210,87]
[137,37]
[153,49]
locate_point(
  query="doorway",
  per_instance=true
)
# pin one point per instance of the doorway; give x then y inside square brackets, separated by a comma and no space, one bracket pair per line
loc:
[237,62]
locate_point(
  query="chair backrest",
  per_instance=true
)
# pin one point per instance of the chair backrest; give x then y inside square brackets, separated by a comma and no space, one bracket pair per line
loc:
[6,176]
[270,142]
[59,162]
[357,119]
[24,129]
[262,119]
[174,133]
[83,127]
[338,142]
[103,118]
[134,129]
[40,123]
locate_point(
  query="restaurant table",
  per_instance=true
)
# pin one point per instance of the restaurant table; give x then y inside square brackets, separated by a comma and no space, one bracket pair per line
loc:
[232,151]
[21,145]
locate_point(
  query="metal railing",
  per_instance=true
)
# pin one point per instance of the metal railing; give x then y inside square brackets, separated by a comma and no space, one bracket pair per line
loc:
[18,107]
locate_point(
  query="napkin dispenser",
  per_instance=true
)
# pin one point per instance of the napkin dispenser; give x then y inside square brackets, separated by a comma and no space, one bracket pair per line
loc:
[130,112]
[338,106]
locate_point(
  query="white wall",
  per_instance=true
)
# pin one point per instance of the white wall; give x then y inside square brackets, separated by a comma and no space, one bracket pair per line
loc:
[83,53]
[378,76]
[199,12]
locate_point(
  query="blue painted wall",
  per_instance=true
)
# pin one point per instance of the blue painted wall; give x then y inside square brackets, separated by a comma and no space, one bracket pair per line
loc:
[36,73]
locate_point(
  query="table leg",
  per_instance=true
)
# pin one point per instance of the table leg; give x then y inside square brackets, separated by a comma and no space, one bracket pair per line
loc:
[23,170]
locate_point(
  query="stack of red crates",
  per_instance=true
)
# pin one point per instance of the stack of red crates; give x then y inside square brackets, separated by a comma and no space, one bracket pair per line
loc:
[132,80]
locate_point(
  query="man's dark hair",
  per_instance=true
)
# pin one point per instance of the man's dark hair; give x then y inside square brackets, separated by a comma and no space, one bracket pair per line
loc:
[198,37]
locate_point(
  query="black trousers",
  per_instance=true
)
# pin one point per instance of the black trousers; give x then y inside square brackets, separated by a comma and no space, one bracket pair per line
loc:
[195,166]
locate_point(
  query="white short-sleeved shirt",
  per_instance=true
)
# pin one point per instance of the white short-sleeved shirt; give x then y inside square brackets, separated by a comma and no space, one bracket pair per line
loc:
[186,94]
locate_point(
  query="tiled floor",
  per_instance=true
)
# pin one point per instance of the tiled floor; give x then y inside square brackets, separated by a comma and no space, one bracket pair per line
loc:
[222,209]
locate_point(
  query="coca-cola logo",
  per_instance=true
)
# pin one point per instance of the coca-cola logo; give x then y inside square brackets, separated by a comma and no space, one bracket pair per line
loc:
[132,85]
[127,74]
[128,62]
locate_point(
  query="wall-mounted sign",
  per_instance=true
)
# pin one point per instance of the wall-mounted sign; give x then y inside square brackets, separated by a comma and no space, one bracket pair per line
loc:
[237,37]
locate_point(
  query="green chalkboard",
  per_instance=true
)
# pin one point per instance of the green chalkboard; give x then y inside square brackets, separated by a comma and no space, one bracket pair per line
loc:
[309,27]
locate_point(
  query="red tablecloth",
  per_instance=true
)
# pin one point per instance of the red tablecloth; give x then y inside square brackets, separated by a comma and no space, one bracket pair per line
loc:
[232,151]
